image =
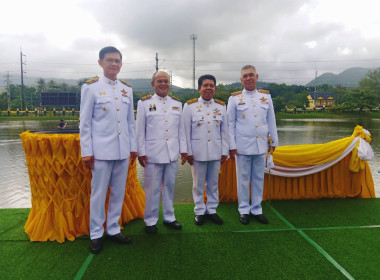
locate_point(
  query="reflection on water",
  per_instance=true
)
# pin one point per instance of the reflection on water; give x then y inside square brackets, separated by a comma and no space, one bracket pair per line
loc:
[15,187]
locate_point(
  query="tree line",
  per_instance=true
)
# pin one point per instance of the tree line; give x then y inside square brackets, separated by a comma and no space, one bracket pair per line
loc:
[366,96]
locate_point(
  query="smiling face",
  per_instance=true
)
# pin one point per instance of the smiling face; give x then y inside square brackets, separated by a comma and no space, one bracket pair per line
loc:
[111,64]
[161,83]
[249,78]
[207,89]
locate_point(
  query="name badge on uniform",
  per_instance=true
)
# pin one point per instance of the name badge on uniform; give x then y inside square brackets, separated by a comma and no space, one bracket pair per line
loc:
[175,108]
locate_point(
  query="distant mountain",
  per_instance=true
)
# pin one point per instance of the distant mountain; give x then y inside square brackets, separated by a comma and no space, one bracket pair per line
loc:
[348,78]
[138,85]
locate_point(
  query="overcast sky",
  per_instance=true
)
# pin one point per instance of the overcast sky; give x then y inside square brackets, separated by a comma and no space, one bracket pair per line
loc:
[287,40]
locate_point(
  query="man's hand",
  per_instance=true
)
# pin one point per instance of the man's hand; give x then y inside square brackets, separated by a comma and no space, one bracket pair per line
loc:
[271,149]
[133,157]
[143,160]
[233,154]
[183,158]
[190,160]
[88,162]
[223,159]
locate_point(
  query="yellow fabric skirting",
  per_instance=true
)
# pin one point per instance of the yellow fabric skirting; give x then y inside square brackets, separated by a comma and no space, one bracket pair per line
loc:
[331,170]
[61,186]
[336,181]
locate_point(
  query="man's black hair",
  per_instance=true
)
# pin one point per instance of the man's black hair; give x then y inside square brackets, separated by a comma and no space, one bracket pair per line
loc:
[206,77]
[109,49]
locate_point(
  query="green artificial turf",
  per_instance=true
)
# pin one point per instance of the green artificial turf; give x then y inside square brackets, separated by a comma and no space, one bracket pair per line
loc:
[284,249]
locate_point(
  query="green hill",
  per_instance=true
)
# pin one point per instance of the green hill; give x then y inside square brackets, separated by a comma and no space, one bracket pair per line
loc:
[348,78]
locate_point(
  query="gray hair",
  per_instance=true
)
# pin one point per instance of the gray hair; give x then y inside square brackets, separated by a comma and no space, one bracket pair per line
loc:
[248,67]
[159,72]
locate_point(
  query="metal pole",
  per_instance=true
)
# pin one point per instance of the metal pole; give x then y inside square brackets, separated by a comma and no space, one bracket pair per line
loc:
[156,62]
[22,82]
[193,37]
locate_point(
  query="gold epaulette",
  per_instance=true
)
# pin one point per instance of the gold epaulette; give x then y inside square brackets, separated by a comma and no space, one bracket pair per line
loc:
[94,80]
[191,101]
[220,102]
[236,93]
[146,97]
[125,83]
[263,91]
[175,98]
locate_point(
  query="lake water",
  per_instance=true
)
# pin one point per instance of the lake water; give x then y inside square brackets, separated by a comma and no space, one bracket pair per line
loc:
[14,179]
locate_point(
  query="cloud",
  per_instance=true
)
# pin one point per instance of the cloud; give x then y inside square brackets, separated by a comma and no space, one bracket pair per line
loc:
[286,40]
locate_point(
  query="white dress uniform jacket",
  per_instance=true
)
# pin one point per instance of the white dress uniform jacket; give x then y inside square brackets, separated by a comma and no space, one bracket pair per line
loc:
[250,118]
[250,121]
[206,129]
[107,126]
[107,132]
[161,138]
[160,131]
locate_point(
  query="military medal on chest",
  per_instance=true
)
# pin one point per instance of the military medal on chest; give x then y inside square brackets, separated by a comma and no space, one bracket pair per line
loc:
[264,100]
[241,100]
[217,112]
[152,107]
[124,93]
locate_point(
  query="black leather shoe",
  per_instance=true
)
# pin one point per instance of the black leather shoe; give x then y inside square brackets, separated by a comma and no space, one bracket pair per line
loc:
[96,245]
[215,219]
[173,225]
[121,238]
[261,219]
[244,219]
[151,229]
[199,219]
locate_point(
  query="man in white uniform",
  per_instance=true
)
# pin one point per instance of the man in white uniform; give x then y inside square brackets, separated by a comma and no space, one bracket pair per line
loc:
[205,121]
[161,138]
[251,121]
[108,141]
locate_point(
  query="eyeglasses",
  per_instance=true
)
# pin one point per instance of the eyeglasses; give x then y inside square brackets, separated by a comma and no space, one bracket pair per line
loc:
[112,60]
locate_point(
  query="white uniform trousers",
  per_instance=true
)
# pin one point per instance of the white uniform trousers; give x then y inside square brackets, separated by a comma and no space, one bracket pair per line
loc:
[205,172]
[159,178]
[250,168]
[113,173]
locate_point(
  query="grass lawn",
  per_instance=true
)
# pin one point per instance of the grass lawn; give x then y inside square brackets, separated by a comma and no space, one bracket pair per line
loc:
[307,239]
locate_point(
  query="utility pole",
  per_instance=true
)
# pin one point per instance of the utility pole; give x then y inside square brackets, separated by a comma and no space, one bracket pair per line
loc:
[171,80]
[193,37]
[22,80]
[156,62]
[315,88]
[316,76]
[8,81]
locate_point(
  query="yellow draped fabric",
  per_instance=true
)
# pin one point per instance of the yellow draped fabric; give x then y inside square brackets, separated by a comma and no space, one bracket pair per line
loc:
[312,154]
[349,177]
[61,186]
